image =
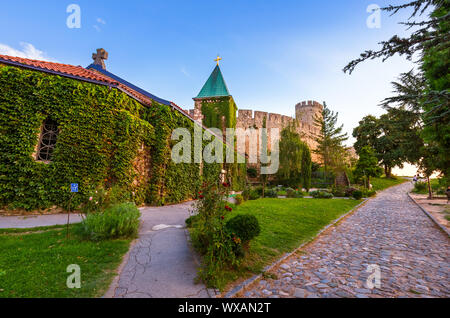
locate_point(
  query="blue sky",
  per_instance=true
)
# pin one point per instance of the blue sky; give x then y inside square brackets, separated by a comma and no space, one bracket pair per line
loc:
[275,53]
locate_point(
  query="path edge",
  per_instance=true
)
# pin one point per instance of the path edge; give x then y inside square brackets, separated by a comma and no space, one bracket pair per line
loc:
[445,230]
[242,286]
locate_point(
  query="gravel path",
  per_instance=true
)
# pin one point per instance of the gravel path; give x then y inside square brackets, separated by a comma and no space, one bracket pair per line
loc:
[389,235]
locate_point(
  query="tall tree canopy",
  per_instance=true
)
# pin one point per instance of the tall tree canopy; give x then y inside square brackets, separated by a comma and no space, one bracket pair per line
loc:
[330,140]
[426,90]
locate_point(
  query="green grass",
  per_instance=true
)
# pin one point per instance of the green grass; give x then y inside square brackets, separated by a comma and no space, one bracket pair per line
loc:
[285,225]
[383,183]
[34,264]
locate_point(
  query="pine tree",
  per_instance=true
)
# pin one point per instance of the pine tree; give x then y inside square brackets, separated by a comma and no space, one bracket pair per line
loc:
[330,140]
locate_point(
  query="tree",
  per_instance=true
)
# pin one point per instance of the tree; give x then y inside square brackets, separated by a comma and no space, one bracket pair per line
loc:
[330,140]
[367,165]
[293,158]
[428,163]
[306,168]
[395,137]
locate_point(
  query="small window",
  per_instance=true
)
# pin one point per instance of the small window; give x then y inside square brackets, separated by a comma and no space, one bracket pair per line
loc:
[47,141]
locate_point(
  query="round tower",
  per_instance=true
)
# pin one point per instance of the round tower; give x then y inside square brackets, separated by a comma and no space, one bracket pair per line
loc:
[306,111]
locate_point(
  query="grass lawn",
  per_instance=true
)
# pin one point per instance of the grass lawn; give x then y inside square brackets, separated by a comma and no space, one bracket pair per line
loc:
[383,183]
[285,225]
[33,263]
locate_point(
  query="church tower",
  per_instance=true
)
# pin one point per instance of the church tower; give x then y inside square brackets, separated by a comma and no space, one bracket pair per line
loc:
[214,105]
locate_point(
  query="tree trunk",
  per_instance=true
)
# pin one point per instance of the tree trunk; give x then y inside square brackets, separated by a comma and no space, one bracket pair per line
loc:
[387,171]
[430,193]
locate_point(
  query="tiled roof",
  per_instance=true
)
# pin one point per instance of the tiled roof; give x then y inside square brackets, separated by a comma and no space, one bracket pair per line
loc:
[62,69]
[83,74]
[98,69]
[215,85]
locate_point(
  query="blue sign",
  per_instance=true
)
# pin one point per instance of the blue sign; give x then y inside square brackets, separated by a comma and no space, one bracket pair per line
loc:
[74,187]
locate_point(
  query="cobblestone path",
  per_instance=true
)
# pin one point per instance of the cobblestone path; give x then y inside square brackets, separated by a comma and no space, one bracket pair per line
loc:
[391,232]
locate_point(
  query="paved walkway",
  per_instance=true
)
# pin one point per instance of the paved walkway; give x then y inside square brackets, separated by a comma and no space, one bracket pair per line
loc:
[161,264]
[29,221]
[391,232]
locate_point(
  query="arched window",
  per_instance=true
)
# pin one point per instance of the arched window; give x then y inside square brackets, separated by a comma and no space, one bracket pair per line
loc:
[47,141]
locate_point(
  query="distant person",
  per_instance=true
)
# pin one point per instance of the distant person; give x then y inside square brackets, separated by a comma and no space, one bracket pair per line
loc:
[448,194]
[415,179]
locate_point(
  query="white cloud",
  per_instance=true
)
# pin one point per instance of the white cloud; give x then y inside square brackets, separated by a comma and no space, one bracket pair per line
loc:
[97,28]
[28,51]
[100,20]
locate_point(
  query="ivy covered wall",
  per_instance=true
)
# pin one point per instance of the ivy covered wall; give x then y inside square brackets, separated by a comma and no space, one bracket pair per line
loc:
[216,108]
[101,133]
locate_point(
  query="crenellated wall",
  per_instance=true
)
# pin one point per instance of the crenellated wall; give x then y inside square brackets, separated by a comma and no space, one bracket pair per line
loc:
[305,112]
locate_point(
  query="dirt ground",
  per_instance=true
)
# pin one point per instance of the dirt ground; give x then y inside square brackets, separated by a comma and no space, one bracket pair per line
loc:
[437,207]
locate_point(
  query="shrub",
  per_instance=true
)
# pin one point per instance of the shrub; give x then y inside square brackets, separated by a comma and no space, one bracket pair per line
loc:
[321,195]
[357,194]
[271,193]
[338,192]
[244,226]
[371,193]
[191,220]
[118,221]
[420,187]
[349,191]
[246,193]
[254,195]
[252,172]
[239,199]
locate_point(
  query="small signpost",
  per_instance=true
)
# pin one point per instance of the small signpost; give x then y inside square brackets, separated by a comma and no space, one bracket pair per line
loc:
[73,190]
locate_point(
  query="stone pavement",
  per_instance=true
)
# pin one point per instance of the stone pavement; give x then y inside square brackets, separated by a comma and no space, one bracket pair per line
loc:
[389,233]
[23,222]
[161,264]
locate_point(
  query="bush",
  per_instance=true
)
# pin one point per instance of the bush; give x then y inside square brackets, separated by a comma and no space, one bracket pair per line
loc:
[118,221]
[239,199]
[321,195]
[244,226]
[357,194]
[420,187]
[371,193]
[338,192]
[271,193]
[252,172]
[191,220]
[349,191]
[246,193]
[254,195]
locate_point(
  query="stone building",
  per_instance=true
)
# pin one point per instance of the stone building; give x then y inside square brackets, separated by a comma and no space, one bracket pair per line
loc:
[214,107]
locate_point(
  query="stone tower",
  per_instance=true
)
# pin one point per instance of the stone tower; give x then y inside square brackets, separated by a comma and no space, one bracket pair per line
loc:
[305,112]
[214,105]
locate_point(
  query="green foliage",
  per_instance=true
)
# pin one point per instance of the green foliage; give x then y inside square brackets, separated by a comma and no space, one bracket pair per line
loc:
[295,159]
[208,234]
[239,199]
[330,140]
[338,192]
[254,194]
[118,221]
[367,165]
[420,187]
[252,172]
[357,194]
[271,193]
[100,134]
[219,112]
[321,195]
[243,226]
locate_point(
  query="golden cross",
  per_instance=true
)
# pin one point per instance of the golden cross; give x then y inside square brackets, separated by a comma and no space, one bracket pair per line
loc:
[218,59]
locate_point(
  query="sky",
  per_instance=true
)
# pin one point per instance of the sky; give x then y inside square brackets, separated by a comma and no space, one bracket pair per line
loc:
[276,53]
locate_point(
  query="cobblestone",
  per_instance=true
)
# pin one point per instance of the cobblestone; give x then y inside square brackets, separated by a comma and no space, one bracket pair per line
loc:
[390,232]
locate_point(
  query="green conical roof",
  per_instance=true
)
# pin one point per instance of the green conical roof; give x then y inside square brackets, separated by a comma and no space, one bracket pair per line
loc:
[215,85]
